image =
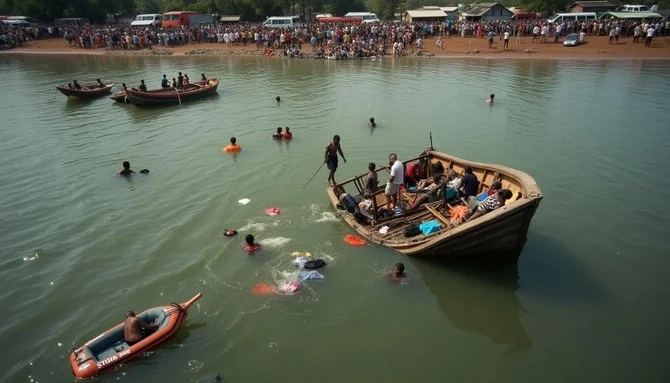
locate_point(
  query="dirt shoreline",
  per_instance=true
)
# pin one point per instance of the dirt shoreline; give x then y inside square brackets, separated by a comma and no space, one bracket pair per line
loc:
[596,48]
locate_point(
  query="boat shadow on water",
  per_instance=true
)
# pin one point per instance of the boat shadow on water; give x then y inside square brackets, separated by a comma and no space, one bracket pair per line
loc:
[482,298]
[479,298]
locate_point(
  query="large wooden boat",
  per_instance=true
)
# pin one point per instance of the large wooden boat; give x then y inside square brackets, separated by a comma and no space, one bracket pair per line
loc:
[173,95]
[87,92]
[110,348]
[500,234]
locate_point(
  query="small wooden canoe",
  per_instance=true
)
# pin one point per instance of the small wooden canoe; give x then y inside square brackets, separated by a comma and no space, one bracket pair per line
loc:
[120,97]
[173,95]
[110,348]
[498,235]
[87,92]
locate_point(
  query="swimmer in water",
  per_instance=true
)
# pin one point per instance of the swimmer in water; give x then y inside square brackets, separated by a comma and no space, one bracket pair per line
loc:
[278,99]
[287,133]
[233,147]
[279,135]
[249,245]
[372,122]
[398,272]
[490,100]
[126,171]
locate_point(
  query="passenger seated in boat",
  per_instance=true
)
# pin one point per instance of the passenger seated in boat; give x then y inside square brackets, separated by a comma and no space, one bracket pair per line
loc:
[174,82]
[437,168]
[495,186]
[249,245]
[100,84]
[491,203]
[126,171]
[372,122]
[165,83]
[69,86]
[287,134]
[186,79]
[279,135]
[132,329]
[415,172]
[434,193]
[143,86]
[76,85]
[233,147]
[469,184]
[397,272]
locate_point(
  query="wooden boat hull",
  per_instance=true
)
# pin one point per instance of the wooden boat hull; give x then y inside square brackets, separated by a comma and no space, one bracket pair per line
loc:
[498,235]
[89,94]
[120,97]
[172,96]
[109,349]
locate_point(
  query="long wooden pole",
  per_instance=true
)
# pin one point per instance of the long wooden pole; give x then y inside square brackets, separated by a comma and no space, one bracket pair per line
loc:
[315,173]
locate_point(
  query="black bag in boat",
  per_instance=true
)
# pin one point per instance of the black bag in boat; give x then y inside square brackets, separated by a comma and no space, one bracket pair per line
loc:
[315,264]
[412,229]
[348,203]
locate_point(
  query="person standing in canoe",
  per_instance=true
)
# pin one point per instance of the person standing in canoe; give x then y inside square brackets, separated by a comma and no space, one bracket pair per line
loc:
[332,149]
[132,328]
[180,81]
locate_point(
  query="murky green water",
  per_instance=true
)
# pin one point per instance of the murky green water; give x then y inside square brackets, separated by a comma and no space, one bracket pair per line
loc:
[587,301]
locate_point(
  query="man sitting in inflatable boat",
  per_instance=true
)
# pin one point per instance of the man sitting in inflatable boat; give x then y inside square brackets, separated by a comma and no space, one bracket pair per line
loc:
[132,330]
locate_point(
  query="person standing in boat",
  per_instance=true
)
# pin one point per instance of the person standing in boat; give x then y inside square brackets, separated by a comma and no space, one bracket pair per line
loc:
[180,81]
[396,179]
[174,82]
[132,328]
[203,78]
[332,149]
[186,79]
[76,85]
[165,83]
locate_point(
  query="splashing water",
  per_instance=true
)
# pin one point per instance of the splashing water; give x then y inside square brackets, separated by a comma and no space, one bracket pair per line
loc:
[275,242]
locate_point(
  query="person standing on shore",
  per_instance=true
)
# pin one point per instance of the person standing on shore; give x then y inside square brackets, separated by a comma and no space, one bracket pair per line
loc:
[506,40]
[490,37]
[332,150]
[536,31]
[650,36]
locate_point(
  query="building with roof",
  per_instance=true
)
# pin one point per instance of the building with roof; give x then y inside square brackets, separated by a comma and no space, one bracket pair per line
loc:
[487,12]
[424,15]
[592,6]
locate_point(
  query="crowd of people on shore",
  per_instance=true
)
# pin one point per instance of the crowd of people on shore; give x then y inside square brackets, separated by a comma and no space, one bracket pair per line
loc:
[327,40]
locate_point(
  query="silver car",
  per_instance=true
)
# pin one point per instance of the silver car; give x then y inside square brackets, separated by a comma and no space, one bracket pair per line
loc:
[571,40]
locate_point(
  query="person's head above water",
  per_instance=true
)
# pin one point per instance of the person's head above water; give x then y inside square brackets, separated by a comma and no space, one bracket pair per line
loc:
[287,129]
[126,165]
[492,96]
[249,239]
[279,130]
[372,120]
[336,138]
[278,98]
[371,166]
[399,269]
[130,314]
[233,140]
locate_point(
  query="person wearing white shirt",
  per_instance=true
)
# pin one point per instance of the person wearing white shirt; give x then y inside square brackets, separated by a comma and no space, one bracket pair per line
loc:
[396,179]
[650,35]
[506,40]
[536,31]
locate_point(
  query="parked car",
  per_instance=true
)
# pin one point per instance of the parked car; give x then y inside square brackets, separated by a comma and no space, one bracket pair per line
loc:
[571,40]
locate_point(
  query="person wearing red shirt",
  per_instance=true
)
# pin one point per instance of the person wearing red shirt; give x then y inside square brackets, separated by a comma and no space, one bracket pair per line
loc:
[414,173]
[287,134]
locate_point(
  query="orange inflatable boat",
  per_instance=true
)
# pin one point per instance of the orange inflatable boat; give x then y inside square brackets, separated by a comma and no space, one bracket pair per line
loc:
[108,349]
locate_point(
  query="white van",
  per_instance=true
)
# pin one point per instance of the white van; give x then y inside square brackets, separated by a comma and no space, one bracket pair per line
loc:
[367,17]
[634,8]
[283,22]
[579,17]
[153,19]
